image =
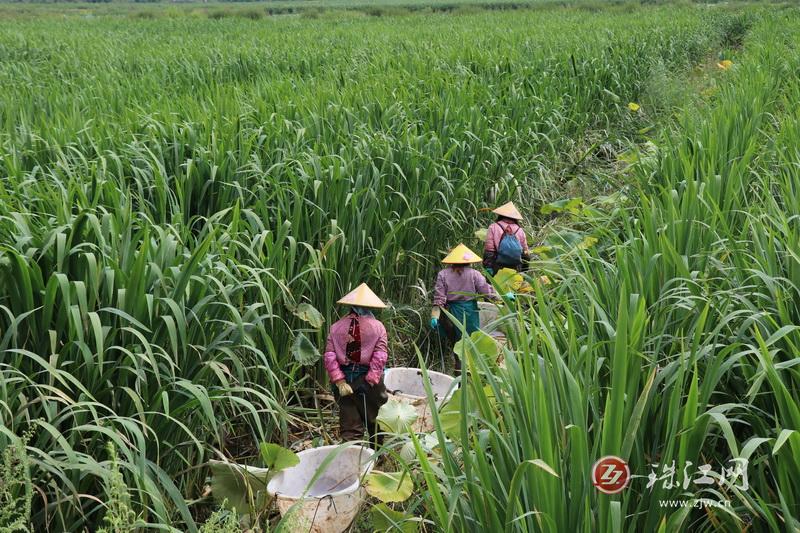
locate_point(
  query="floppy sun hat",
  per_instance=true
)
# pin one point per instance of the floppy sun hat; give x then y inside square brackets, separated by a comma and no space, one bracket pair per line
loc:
[362,296]
[508,210]
[461,255]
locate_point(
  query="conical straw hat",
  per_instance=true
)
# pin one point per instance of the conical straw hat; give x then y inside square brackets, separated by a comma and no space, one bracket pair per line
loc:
[508,210]
[461,255]
[362,296]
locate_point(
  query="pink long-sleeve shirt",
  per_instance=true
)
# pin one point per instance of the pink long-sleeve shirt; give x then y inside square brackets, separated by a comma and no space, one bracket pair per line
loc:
[374,347]
[495,234]
[458,284]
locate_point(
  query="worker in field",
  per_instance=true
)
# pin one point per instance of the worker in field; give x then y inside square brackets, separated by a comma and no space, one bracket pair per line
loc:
[457,288]
[506,244]
[355,356]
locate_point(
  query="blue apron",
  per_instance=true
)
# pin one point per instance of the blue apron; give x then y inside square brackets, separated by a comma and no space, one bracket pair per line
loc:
[466,312]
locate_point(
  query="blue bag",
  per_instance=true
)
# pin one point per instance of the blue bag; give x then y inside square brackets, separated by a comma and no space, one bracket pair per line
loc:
[509,251]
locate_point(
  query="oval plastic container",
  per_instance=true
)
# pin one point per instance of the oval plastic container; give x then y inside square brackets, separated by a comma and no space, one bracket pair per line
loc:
[487,313]
[406,385]
[331,503]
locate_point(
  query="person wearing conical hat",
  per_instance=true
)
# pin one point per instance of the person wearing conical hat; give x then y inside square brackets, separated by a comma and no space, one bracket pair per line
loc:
[506,244]
[456,289]
[355,356]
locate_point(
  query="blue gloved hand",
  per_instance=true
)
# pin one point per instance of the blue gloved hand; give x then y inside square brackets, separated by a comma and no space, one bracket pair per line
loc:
[490,271]
[510,296]
[434,323]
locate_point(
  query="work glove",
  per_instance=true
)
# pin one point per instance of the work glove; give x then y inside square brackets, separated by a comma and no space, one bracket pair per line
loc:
[434,323]
[490,271]
[510,296]
[344,388]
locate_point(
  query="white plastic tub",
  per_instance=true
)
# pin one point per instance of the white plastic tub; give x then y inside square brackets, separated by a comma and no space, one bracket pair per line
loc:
[331,503]
[406,385]
[487,313]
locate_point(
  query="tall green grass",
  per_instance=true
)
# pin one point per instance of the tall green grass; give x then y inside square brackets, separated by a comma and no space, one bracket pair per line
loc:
[172,190]
[674,339]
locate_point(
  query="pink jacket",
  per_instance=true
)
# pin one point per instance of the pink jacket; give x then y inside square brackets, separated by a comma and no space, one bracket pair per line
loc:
[495,234]
[374,347]
[452,285]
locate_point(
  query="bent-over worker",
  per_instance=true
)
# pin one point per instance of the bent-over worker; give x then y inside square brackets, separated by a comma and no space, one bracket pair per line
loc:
[506,244]
[355,355]
[456,289]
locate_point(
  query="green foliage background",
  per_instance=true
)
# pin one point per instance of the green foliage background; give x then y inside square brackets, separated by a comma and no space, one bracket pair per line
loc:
[171,190]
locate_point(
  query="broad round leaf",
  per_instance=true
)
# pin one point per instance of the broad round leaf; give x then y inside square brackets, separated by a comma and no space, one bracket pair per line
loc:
[408,451]
[390,486]
[587,242]
[396,417]
[304,351]
[484,344]
[509,280]
[277,458]
[233,485]
[309,313]
[385,519]
[570,205]
[450,415]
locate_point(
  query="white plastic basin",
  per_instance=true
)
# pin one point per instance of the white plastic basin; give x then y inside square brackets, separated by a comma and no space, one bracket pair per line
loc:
[487,313]
[406,385]
[332,501]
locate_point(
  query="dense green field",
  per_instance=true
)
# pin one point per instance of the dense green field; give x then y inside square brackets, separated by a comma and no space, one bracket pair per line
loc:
[173,189]
[313,9]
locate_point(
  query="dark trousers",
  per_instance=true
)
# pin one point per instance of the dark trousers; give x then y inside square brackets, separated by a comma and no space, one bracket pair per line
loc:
[453,335]
[359,410]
